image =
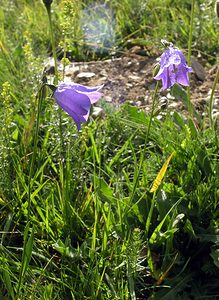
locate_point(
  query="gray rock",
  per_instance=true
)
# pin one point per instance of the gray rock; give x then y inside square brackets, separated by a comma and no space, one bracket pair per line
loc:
[85,75]
[108,99]
[198,69]
[97,112]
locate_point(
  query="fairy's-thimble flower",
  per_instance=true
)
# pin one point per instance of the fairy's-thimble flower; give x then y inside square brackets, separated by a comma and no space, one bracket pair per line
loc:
[173,68]
[76,100]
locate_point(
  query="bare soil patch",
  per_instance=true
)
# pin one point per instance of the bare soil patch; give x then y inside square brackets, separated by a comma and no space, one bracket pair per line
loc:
[130,78]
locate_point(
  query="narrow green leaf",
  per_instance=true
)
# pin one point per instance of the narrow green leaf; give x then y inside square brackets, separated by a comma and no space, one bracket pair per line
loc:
[27,253]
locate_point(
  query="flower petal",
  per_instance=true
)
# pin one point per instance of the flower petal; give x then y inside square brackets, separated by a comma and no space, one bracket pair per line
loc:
[182,75]
[76,100]
[78,120]
[84,88]
[173,68]
[91,92]
[167,76]
[79,103]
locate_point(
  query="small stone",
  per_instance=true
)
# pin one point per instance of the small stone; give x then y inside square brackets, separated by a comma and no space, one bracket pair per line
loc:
[49,66]
[138,103]
[85,75]
[70,69]
[213,70]
[134,77]
[173,105]
[170,97]
[216,102]
[159,117]
[108,99]
[198,69]
[67,79]
[102,79]
[97,112]
[146,99]
[215,115]
[163,102]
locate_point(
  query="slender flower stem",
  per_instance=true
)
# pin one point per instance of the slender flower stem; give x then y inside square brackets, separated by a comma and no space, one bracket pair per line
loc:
[48,8]
[211,103]
[53,44]
[190,108]
[41,95]
[191,32]
[146,140]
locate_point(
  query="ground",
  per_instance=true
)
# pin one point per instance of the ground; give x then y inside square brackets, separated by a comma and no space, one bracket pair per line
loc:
[130,78]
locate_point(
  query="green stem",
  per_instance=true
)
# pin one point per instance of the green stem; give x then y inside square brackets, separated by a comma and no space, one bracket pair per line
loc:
[53,44]
[190,109]
[64,60]
[148,222]
[146,140]
[48,8]
[41,95]
[211,103]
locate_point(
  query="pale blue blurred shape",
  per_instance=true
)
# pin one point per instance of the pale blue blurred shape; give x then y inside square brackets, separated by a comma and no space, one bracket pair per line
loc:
[98,24]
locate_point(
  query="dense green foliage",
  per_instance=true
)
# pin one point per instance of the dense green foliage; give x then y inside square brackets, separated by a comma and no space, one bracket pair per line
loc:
[77,218]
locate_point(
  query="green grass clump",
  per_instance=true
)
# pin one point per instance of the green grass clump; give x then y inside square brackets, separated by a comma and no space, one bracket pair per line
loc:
[88,240]
[78,219]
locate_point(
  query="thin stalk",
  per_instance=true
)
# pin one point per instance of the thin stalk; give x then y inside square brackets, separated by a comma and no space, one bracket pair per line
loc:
[146,140]
[147,226]
[53,44]
[41,95]
[211,103]
[148,222]
[56,78]
[64,60]
[96,210]
[190,109]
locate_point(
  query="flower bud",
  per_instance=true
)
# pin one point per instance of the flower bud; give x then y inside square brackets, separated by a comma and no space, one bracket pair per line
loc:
[47,3]
[217,8]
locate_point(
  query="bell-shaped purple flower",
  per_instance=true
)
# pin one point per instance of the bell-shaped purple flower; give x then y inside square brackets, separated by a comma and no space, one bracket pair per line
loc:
[173,68]
[76,100]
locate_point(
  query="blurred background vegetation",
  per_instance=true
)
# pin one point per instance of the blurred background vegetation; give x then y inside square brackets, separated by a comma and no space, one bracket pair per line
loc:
[99,28]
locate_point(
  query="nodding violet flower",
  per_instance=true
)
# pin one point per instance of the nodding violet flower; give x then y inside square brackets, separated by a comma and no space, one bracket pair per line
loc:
[76,100]
[173,68]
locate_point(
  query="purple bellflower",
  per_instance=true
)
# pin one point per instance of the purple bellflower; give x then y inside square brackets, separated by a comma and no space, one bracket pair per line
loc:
[173,68]
[76,100]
